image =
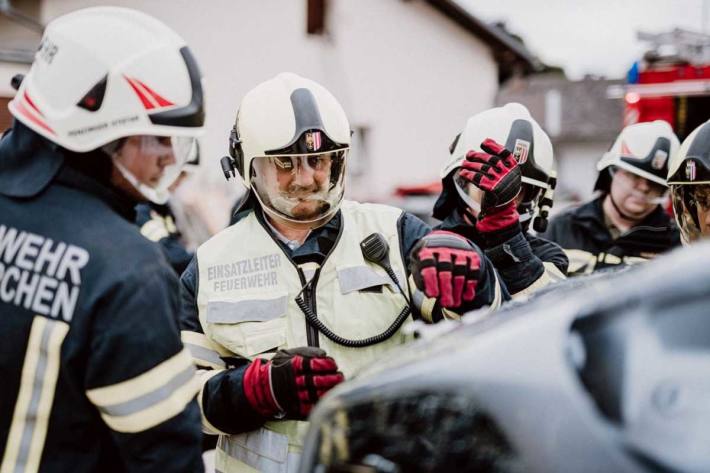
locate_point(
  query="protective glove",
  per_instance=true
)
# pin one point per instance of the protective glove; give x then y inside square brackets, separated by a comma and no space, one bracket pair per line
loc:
[446,266]
[290,384]
[496,172]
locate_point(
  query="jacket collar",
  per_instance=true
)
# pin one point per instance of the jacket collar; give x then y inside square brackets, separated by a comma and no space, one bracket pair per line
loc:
[29,163]
[591,216]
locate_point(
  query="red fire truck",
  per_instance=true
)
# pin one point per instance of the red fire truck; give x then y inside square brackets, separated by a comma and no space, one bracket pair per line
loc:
[671,82]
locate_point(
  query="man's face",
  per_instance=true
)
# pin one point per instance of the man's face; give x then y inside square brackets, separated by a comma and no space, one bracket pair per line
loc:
[635,195]
[701,196]
[146,157]
[303,179]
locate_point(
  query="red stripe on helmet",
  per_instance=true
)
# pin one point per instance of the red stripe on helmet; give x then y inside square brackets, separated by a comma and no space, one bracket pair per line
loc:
[625,151]
[160,100]
[32,104]
[27,114]
[147,104]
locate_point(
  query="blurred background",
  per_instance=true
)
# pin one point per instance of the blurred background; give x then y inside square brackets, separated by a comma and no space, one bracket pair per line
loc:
[410,72]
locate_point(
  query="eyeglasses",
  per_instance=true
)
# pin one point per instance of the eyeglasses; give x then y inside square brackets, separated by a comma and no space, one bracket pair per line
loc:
[289,164]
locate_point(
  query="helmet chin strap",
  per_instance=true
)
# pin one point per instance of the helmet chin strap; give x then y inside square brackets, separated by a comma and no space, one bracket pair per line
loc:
[624,216]
[526,210]
[157,196]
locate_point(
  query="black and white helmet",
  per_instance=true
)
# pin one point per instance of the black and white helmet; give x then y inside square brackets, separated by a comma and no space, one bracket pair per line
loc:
[285,123]
[512,126]
[689,180]
[642,149]
[104,74]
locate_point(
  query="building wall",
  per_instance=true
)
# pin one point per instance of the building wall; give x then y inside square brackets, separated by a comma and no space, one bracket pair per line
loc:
[16,36]
[576,170]
[19,41]
[581,122]
[407,76]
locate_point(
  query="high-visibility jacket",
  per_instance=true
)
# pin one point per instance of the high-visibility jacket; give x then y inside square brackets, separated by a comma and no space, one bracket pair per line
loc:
[238,303]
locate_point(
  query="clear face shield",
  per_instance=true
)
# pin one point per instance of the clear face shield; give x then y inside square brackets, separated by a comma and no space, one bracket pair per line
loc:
[472,196]
[151,164]
[691,205]
[301,189]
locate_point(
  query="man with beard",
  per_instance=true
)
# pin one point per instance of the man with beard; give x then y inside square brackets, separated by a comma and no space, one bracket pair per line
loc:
[306,288]
[626,223]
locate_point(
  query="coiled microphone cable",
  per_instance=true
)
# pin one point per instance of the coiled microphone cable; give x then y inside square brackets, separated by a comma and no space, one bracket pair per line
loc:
[375,250]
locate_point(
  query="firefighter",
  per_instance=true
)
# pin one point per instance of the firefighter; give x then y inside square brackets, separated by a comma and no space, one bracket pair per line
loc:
[94,375]
[689,180]
[626,222]
[157,221]
[306,288]
[524,162]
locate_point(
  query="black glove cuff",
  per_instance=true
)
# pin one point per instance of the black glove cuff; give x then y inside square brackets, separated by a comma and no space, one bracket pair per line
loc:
[225,405]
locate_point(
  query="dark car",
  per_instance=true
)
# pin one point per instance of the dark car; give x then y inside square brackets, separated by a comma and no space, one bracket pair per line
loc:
[605,374]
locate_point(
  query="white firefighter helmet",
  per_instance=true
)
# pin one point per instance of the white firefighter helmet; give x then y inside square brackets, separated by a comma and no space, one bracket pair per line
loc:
[642,149]
[106,73]
[292,126]
[689,180]
[512,126]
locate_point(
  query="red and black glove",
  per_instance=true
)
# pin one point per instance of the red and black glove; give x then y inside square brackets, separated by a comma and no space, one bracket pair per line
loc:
[290,384]
[496,172]
[446,266]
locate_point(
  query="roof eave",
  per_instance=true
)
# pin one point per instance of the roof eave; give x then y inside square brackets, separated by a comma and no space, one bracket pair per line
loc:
[489,34]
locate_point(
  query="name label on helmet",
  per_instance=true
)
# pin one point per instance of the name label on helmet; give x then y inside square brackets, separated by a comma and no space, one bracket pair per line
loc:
[47,50]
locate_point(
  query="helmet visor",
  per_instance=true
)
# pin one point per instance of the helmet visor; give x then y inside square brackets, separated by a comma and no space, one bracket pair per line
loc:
[691,205]
[304,188]
[471,195]
[153,163]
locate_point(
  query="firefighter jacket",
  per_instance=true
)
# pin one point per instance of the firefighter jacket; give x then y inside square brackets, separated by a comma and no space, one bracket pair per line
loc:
[590,246]
[94,375]
[524,261]
[157,223]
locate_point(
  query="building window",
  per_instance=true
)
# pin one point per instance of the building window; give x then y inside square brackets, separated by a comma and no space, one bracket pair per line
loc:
[316,17]
[5,117]
[358,157]
[553,112]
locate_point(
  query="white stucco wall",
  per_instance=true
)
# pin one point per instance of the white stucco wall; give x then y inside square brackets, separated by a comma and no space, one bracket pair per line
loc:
[412,77]
[401,69]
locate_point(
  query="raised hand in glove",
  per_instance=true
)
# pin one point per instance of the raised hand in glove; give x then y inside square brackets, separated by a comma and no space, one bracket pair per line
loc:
[290,384]
[446,266]
[495,171]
